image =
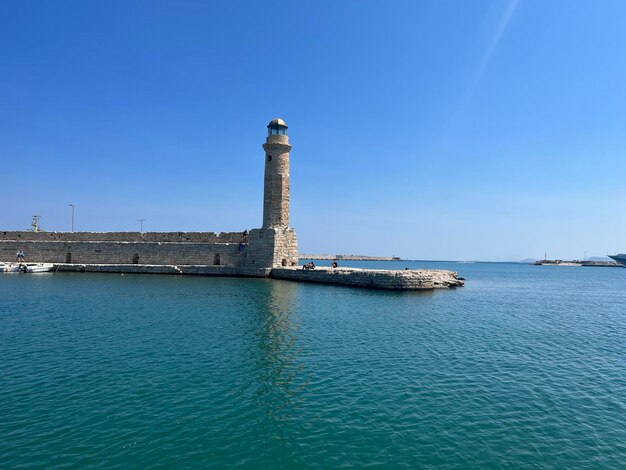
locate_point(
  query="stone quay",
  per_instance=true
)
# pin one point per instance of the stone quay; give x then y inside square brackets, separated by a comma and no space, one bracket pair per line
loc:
[269,251]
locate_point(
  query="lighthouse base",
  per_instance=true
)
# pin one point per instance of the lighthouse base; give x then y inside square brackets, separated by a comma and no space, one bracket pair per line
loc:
[272,247]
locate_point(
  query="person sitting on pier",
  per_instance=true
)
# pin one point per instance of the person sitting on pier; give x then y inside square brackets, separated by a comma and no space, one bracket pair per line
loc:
[245,236]
[334,263]
[309,265]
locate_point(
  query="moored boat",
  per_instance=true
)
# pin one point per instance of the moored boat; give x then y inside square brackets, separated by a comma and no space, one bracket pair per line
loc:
[9,268]
[36,267]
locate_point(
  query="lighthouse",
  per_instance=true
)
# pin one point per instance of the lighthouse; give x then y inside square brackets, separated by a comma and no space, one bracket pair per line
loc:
[276,189]
[274,244]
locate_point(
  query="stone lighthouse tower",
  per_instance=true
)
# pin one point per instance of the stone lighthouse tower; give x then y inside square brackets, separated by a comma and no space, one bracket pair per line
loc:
[276,194]
[274,244]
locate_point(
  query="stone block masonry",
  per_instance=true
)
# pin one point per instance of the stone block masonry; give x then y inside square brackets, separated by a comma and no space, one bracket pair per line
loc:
[422,279]
[276,194]
[198,270]
[116,252]
[275,246]
[262,248]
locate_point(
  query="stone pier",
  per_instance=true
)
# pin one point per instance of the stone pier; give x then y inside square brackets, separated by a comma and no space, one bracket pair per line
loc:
[420,279]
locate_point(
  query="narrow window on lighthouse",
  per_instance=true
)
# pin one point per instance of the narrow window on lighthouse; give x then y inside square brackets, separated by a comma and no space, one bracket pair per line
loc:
[269,158]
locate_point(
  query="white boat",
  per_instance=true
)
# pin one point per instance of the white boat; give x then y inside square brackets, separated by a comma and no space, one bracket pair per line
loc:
[9,268]
[36,268]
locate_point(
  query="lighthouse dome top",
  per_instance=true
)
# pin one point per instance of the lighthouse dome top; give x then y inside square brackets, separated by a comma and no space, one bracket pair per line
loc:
[277,122]
[277,127]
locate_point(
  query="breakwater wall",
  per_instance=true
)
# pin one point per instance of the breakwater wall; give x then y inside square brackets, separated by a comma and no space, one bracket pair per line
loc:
[125,252]
[264,252]
[352,277]
[259,248]
[199,270]
[422,279]
[224,249]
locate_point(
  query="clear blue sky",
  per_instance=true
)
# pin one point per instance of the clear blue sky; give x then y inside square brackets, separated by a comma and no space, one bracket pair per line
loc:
[489,130]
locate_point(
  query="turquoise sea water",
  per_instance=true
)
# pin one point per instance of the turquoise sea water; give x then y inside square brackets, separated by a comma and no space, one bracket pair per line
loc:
[523,367]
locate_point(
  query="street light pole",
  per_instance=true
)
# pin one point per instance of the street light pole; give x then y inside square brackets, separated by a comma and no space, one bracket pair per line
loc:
[72,206]
[140,225]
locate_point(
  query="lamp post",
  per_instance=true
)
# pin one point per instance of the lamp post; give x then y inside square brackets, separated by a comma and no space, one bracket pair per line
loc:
[141,224]
[72,206]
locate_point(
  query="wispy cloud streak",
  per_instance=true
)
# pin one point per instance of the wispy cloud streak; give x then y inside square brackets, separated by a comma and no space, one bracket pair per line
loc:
[493,45]
[477,76]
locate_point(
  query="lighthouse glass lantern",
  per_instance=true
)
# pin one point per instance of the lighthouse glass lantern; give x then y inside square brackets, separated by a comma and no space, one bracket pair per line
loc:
[277,127]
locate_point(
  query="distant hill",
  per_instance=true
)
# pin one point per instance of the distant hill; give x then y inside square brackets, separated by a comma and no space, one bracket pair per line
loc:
[527,260]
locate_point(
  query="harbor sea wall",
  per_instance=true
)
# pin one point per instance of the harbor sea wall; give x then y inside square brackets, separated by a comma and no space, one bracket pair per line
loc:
[200,270]
[260,248]
[110,252]
[167,248]
[264,252]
